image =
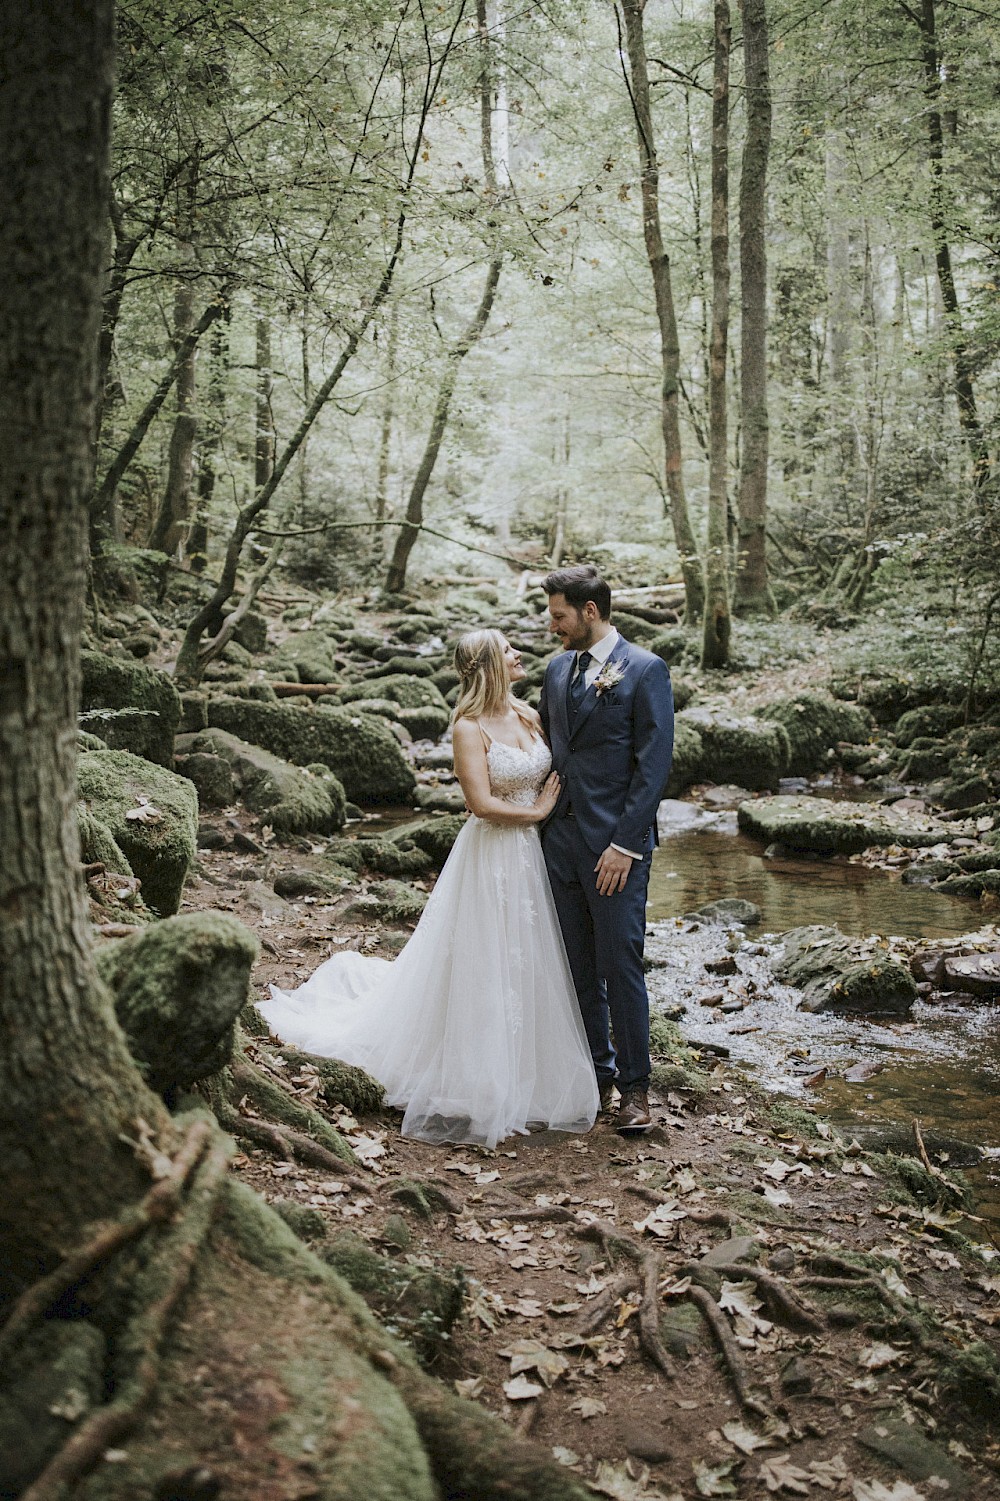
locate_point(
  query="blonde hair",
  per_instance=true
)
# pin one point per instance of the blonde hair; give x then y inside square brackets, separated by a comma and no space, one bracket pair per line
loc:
[484,686]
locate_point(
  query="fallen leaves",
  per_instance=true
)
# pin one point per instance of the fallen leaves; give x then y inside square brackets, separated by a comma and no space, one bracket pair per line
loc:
[780,1474]
[878,1356]
[588,1407]
[662,1221]
[532,1355]
[520,1389]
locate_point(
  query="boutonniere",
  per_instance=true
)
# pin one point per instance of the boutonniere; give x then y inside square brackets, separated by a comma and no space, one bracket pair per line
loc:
[609,676]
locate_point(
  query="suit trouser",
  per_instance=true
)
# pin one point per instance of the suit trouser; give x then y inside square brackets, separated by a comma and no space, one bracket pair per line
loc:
[604,937]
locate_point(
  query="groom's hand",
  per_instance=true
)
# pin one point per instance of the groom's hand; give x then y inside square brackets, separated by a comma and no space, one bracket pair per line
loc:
[612,871]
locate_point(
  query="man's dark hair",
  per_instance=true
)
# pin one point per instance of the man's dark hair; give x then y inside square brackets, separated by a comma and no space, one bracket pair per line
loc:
[580,585]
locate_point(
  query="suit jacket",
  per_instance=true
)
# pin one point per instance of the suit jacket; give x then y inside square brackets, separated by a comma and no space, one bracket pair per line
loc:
[614,759]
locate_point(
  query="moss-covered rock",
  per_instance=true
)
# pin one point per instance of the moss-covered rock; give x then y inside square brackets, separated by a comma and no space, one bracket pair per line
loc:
[688,758]
[339,1083]
[446,678]
[425,723]
[391,901]
[670,646]
[147,705]
[152,815]
[926,758]
[933,720]
[749,752]
[194,711]
[251,633]
[365,643]
[835,972]
[390,857]
[812,823]
[417,667]
[435,836]
[178,989]
[51,1383]
[986,882]
[294,799]
[312,653]
[259,690]
[928,872]
[212,777]
[357,747]
[640,632]
[308,1224]
[97,844]
[409,692]
[814,725]
[964,792]
[329,884]
[416,1303]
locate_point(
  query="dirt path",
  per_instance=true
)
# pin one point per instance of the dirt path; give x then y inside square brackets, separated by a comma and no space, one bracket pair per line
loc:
[594,1315]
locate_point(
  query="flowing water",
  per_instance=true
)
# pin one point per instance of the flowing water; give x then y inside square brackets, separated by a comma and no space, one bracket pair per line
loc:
[940,1064]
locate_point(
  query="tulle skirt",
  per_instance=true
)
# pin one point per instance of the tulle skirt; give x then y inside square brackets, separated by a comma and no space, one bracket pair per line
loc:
[474,1030]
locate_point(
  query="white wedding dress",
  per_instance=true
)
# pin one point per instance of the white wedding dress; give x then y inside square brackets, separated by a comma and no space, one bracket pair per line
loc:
[475,1029]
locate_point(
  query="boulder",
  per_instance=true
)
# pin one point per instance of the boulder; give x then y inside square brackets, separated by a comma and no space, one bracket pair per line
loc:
[729,911]
[436,836]
[407,691]
[985,883]
[670,646]
[837,973]
[294,799]
[829,828]
[388,901]
[433,798]
[358,748]
[178,989]
[975,974]
[292,884]
[147,706]
[425,723]
[934,720]
[814,724]
[251,633]
[152,816]
[417,667]
[212,777]
[194,711]
[313,655]
[965,792]
[752,752]
[390,857]
[689,750]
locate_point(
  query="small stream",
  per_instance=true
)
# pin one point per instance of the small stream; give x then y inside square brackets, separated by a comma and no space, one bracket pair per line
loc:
[940,1064]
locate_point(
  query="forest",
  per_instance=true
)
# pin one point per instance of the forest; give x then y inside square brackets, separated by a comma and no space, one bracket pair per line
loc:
[328,332]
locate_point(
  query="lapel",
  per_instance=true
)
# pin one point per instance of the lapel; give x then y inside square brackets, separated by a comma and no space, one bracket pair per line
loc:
[620,655]
[562,675]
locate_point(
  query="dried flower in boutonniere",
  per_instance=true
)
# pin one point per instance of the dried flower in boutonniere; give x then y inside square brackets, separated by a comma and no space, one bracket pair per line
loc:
[609,676]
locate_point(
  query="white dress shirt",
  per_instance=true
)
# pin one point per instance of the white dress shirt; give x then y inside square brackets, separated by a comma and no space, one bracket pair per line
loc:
[601,653]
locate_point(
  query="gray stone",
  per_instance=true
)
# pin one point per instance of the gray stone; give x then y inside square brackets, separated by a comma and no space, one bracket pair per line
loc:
[740,1248]
[915,1454]
[212,777]
[645,1442]
[812,823]
[796,1377]
[835,972]
[152,815]
[431,798]
[729,910]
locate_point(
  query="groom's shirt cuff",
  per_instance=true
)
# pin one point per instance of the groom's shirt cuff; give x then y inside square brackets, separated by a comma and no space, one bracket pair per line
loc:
[631,853]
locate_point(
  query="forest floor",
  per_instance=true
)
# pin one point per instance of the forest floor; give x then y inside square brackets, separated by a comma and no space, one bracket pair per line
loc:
[864,1394]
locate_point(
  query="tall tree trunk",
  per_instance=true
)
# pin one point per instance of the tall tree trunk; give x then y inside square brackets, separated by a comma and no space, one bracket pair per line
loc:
[170,527]
[965,391]
[385,440]
[659,265]
[69,1092]
[559,530]
[395,580]
[263,454]
[210,449]
[752,588]
[715,640]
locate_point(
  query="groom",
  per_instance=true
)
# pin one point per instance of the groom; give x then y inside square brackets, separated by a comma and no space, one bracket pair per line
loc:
[607,710]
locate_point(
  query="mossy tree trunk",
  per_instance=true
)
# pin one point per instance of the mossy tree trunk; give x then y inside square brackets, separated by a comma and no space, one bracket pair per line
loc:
[659,265]
[68,1089]
[715,639]
[170,528]
[752,587]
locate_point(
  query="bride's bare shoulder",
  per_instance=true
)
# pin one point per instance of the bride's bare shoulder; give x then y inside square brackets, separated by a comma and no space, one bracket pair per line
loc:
[466,732]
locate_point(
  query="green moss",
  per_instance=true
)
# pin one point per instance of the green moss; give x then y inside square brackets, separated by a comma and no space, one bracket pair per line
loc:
[436,836]
[329,883]
[97,843]
[340,1083]
[785,1116]
[312,654]
[666,1041]
[837,972]
[427,723]
[308,1224]
[689,752]
[194,711]
[277,1104]
[407,691]
[670,646]
[390,857]
[921,1187]
[178,989]
[980,861]
[417,667]
[85,741]
[813,823]
[160,851]
[419,1305]
[358,748]
[445,679]
[932,720]
[972,885]
[972,1375]
[752,753]
[397,902]
[110,683]
[293,799]
[640,632]
[814,725]
[54,1379]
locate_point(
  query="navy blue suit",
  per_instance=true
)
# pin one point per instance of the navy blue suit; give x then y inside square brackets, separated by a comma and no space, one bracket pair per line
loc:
[613,757]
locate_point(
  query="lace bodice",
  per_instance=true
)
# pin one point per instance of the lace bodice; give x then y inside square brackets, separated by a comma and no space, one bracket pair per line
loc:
[517,775]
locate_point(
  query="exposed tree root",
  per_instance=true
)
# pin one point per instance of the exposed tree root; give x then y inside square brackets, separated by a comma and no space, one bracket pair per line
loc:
[604,1305]
[161,1285]
[159,1204]
[291,1146]
[783,1304]
[716,1321]
[643,1278]
[272,1099]
[649,1316]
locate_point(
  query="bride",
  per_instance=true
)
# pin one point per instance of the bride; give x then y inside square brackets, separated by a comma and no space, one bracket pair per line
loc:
[475,1029]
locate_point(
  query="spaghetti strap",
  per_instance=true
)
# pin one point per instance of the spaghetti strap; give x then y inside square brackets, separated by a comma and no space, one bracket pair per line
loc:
[487,737]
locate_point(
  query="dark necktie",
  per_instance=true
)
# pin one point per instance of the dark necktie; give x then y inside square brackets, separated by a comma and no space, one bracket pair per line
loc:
[578,686]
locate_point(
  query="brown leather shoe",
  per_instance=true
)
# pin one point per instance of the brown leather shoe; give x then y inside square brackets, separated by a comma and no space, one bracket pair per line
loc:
[606,1089]
[633,1113]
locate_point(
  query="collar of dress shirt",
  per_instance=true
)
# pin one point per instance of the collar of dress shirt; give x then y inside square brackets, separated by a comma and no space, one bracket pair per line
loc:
[602,650]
